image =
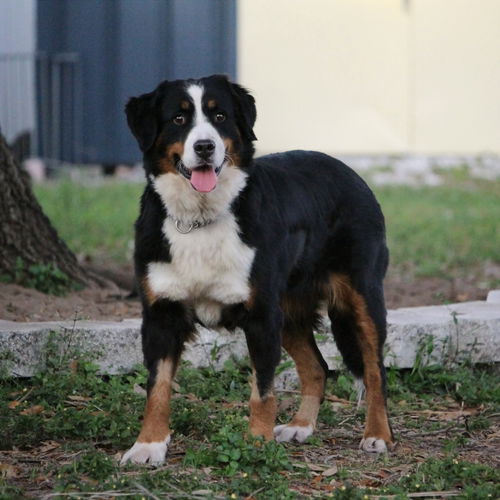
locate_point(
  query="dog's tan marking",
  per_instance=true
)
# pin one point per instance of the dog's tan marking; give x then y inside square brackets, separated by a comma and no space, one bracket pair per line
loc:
[346,298]
[167,163]
[185,105]
[155,426]
[212,104]
[148,293]
[262,412]
[250,302]
[230,151]
[311,374]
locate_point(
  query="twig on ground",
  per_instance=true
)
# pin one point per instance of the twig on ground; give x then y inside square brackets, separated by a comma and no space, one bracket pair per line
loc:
[146,491]
[24,396]
[429,433]
[422,494]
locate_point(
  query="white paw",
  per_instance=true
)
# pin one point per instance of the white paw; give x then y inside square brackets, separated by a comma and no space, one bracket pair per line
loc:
[287,432]
[152,453]
[373,445]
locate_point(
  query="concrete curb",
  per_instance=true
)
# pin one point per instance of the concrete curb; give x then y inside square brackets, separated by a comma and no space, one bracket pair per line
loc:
[436,334]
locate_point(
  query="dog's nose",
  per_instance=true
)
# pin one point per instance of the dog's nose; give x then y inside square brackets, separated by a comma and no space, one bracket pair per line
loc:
[204,149]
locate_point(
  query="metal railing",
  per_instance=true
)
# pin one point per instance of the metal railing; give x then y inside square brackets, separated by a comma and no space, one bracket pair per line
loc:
[41,105]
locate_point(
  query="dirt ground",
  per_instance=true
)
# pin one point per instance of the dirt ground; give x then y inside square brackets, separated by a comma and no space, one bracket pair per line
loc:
[338,451]
[23,304]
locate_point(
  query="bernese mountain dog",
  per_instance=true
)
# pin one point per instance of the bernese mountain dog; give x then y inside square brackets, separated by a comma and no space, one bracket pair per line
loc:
[224,239]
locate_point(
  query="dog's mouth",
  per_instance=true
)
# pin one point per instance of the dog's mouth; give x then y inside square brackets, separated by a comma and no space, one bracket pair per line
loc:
[203,177]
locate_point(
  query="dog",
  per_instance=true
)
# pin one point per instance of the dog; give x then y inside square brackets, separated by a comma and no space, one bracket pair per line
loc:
[224,239]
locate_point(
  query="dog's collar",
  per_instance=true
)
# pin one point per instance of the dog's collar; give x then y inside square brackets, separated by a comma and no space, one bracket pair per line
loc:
[184,228]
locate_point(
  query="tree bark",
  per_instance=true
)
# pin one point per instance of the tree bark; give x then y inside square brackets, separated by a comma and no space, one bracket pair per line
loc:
[25,231]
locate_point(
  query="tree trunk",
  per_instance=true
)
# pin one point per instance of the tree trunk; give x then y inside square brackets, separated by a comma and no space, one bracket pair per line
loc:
[25,231]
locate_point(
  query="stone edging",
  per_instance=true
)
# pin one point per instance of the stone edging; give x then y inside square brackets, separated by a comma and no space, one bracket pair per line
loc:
[468,330]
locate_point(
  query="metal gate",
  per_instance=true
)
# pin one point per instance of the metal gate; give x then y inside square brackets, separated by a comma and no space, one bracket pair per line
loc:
[126,47]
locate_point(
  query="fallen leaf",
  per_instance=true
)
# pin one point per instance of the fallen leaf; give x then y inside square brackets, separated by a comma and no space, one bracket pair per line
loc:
[335,399]
[327,487]
[449,415]
[33,410]
[78,398]
[14,404]
[330,472]
[48,446]
[316,468]
[8,471]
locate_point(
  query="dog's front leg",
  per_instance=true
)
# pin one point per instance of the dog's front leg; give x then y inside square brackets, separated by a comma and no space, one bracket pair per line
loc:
[263,334]
[166,326]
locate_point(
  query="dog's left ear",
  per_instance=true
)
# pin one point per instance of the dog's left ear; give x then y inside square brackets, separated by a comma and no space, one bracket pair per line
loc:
[142,119]
[246,112]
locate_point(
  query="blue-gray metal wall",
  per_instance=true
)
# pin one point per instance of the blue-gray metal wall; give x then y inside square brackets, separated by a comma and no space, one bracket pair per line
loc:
[125,48]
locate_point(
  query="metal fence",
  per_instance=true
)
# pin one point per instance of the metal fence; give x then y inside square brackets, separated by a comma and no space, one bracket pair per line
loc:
[41,105]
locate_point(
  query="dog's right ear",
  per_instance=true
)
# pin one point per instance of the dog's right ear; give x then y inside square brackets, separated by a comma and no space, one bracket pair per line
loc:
[142,119]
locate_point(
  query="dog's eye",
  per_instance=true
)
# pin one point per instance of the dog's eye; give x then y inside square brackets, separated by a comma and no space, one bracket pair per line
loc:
[179,120]
[220,117]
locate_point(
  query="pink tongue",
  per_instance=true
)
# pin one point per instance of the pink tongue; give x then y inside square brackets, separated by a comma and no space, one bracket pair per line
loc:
[203,179]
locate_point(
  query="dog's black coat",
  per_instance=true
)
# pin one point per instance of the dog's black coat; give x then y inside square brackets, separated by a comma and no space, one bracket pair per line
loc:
[307,215]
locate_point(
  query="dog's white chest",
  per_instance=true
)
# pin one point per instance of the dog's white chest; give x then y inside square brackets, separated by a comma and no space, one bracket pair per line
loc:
[209,268]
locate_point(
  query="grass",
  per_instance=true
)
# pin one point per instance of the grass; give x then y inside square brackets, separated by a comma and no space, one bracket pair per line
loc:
[94,220]
[441,230]
[434,231]
[62,432]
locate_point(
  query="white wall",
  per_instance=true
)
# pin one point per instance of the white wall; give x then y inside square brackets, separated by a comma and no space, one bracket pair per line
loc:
[373,76]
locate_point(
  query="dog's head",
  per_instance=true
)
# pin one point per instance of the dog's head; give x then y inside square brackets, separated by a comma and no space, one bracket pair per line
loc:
[194,128]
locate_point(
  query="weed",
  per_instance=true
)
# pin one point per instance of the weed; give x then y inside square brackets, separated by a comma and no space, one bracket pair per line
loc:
[93,416]
[452,474]
[96,465]
[228,384]
[46,278]
[232,453]
[465,383]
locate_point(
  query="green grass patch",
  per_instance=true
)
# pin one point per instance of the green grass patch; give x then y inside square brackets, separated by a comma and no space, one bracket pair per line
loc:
[431,230]
[93,220]
[436,231]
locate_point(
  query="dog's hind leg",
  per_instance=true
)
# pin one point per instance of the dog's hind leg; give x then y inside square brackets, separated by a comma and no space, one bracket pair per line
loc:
[359,328]
[166,326]
[312,370]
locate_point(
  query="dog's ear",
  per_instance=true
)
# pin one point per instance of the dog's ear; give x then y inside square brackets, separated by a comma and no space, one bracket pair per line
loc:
[246,112]
[142,119]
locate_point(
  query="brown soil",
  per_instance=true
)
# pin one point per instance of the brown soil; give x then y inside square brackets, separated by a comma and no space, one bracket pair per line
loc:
[23,304]
[338,451]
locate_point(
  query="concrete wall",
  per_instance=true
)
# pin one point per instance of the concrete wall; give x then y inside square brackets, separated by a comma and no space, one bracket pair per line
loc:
[366,76]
